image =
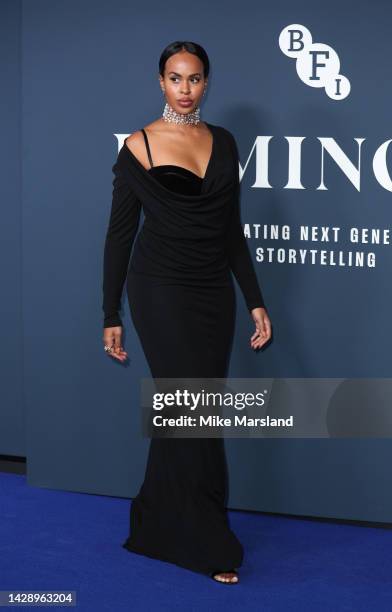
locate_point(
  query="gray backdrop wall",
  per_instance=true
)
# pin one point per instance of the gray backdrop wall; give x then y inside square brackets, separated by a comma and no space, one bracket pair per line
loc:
[90,71]
[12,430]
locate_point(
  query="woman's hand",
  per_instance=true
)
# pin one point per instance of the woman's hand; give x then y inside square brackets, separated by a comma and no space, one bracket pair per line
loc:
[112,338]
[263,328]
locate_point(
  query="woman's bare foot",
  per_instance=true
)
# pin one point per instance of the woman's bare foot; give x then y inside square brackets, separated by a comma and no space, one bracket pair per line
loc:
[228,577]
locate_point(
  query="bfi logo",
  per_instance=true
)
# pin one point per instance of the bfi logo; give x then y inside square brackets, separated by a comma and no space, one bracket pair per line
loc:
[317,64]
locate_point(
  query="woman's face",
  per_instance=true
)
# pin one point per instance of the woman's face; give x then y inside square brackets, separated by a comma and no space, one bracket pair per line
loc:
[183,81]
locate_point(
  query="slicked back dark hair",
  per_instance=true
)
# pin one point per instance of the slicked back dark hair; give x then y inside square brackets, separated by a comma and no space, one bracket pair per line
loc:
[189,46]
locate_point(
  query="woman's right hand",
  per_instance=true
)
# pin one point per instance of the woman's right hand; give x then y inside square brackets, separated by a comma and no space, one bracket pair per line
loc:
[112,338]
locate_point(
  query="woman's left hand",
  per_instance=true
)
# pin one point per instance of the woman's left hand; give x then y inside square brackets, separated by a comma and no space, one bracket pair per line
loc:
[263,328]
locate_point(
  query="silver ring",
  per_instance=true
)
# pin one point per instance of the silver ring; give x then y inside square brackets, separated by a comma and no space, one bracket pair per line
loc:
[108,349]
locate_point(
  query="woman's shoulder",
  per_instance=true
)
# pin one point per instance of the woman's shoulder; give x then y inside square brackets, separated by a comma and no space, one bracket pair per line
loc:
[227,137]
[221,128]
[136,144]
[225,132]
[134,140]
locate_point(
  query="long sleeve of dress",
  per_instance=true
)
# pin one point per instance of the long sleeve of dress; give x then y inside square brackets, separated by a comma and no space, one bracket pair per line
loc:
[239,257]
[121,231]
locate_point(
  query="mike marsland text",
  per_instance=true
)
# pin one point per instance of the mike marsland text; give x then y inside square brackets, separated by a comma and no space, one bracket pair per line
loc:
[217,421]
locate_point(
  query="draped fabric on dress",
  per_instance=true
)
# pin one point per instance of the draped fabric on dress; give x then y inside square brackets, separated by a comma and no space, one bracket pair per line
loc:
[182,304]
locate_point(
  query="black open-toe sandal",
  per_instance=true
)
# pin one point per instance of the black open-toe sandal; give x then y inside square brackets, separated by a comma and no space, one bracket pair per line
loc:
[232,571]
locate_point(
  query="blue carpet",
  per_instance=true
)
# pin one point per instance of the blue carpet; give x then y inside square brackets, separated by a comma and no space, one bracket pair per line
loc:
[57,540]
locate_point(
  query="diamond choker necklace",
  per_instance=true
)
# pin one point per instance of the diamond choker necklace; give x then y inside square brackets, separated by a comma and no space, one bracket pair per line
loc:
[170,115]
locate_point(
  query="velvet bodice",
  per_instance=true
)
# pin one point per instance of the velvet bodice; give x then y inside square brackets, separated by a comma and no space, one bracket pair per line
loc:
[178,179]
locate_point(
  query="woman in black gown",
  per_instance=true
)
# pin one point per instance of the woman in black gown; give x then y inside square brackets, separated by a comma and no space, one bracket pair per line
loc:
[182,303]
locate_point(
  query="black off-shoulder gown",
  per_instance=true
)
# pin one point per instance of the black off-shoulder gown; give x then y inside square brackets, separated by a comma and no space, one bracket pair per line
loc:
[182,304]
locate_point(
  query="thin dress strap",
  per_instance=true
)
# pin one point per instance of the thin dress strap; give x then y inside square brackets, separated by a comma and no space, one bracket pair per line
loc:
[147,147]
